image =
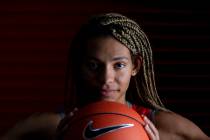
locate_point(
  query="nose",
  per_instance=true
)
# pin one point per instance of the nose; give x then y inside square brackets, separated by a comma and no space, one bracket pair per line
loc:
[107,75]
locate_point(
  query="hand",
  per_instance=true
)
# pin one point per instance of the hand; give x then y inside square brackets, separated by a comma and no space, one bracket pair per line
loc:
[63,125]
[150,129]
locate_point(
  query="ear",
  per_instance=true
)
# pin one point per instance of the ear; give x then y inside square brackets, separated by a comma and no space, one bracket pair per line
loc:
[136,65]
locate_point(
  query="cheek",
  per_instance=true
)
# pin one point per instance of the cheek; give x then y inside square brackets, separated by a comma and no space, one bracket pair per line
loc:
[124,79]
[88,78]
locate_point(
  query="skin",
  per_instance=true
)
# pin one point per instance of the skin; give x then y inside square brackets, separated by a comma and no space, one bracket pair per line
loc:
[39,126]
[172,126]
[106,72]
[108,68]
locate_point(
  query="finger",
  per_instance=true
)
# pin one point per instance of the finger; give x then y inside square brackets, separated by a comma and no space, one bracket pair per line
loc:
[72,112]
[75,109]
[151,130]
[62,127]
[63,124]
[150,133]
[151,125]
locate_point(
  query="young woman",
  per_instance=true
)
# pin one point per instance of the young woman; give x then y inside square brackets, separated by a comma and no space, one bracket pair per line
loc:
[111,59]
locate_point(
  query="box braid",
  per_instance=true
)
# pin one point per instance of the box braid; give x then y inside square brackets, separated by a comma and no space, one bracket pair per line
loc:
[142,89]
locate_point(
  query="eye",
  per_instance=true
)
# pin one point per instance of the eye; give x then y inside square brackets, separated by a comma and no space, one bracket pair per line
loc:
[119,65]
[92,66]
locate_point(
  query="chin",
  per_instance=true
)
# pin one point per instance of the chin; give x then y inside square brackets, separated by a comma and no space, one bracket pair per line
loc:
[113,100]
[108,99]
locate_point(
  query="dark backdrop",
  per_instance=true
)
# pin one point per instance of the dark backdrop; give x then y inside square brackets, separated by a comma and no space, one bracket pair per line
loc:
[35,35]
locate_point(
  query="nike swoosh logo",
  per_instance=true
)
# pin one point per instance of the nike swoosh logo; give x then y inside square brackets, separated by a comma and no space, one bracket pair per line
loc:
[91,133]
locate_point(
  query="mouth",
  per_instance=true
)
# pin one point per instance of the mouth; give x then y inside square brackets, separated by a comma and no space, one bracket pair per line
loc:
[108,93]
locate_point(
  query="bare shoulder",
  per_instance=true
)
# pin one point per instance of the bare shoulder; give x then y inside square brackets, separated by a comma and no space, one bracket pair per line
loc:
[175,126]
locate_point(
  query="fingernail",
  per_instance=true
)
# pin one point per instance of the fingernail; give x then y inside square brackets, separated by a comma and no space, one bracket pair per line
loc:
[143,123]
[144,117]
[71,114]
[146,125]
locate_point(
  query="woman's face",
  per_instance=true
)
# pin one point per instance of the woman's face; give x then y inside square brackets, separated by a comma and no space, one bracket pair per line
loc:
[106,69]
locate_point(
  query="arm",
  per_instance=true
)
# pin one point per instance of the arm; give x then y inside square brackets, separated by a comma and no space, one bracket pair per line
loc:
[175,127]
[37,126]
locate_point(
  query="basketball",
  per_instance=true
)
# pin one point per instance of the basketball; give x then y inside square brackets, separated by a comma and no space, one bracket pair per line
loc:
[105,120]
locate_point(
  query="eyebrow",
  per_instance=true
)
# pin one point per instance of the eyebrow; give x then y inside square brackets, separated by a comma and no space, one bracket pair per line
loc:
[114,59]
[120,58]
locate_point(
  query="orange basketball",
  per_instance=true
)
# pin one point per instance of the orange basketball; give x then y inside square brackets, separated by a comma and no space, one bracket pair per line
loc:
[106,121]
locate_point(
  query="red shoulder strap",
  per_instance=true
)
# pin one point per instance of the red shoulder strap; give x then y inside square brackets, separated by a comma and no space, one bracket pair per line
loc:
[142,110]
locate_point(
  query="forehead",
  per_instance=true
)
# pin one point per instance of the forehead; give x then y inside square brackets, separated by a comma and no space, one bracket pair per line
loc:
[106,46]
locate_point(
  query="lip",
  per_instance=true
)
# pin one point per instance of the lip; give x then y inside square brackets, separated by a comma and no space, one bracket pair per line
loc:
[108,92]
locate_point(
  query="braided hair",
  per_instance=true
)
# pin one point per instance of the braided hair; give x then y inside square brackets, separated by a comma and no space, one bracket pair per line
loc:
[142,88]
